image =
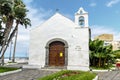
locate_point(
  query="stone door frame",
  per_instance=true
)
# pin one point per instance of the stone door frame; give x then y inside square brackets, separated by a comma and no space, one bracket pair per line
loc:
[47,50]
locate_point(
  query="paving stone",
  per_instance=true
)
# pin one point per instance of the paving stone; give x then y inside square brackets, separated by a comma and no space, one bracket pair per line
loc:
[110,75]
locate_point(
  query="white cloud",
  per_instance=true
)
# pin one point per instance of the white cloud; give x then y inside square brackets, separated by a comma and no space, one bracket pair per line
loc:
[93,4]
[112,2]
[97,30]
[38,16]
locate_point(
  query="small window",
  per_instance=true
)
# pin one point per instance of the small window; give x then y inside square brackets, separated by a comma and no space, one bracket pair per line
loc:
[81,21]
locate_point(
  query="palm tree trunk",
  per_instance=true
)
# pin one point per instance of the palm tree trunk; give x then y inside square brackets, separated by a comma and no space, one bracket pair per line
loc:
[6,33]
[6,36]
[99,64]
[8,41]
[104,61]
[2,60]
[10,50]
[13,59]
[93,61]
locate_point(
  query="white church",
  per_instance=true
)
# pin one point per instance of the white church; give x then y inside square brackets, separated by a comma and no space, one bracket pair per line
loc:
[61,42]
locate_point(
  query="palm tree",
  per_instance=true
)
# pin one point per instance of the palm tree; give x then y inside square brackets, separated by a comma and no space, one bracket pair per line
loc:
[7,19]
[117,53]
[1,33]
[24,22]
[17,11]
[99,54]
[95,50]
[20,14]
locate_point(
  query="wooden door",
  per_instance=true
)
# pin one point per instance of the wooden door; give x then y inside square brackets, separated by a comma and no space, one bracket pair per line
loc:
[56,54]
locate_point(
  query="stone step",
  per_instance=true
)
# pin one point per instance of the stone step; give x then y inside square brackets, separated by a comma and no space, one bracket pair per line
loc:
[55,67]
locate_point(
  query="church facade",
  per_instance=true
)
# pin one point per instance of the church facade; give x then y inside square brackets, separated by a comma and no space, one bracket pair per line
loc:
[61,42]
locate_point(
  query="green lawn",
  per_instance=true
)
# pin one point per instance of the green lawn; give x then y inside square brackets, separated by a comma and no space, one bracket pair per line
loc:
[70,75]
[6,69]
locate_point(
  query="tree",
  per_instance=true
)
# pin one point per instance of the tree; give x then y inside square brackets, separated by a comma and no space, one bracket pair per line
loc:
[20,14]
[12,10]
[116,53]
[7,19]
[99,54]
[1,33]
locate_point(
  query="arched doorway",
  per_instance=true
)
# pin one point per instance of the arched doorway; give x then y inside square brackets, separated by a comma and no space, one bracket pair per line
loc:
[56,54]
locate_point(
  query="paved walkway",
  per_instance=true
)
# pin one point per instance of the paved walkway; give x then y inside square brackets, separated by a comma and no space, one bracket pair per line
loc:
[35,74]
[27,75]
[110,75]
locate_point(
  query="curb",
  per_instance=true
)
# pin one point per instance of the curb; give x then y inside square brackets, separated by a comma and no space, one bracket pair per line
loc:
[96,78]
[101,70]
[10,72]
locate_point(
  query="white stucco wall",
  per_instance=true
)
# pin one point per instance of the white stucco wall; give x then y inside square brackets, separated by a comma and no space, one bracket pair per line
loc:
[60,27]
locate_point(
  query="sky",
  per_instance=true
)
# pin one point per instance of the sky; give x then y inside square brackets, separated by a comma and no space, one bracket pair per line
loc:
[104,17]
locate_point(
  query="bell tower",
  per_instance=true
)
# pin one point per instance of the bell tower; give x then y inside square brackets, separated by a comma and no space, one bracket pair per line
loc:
[81,18]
